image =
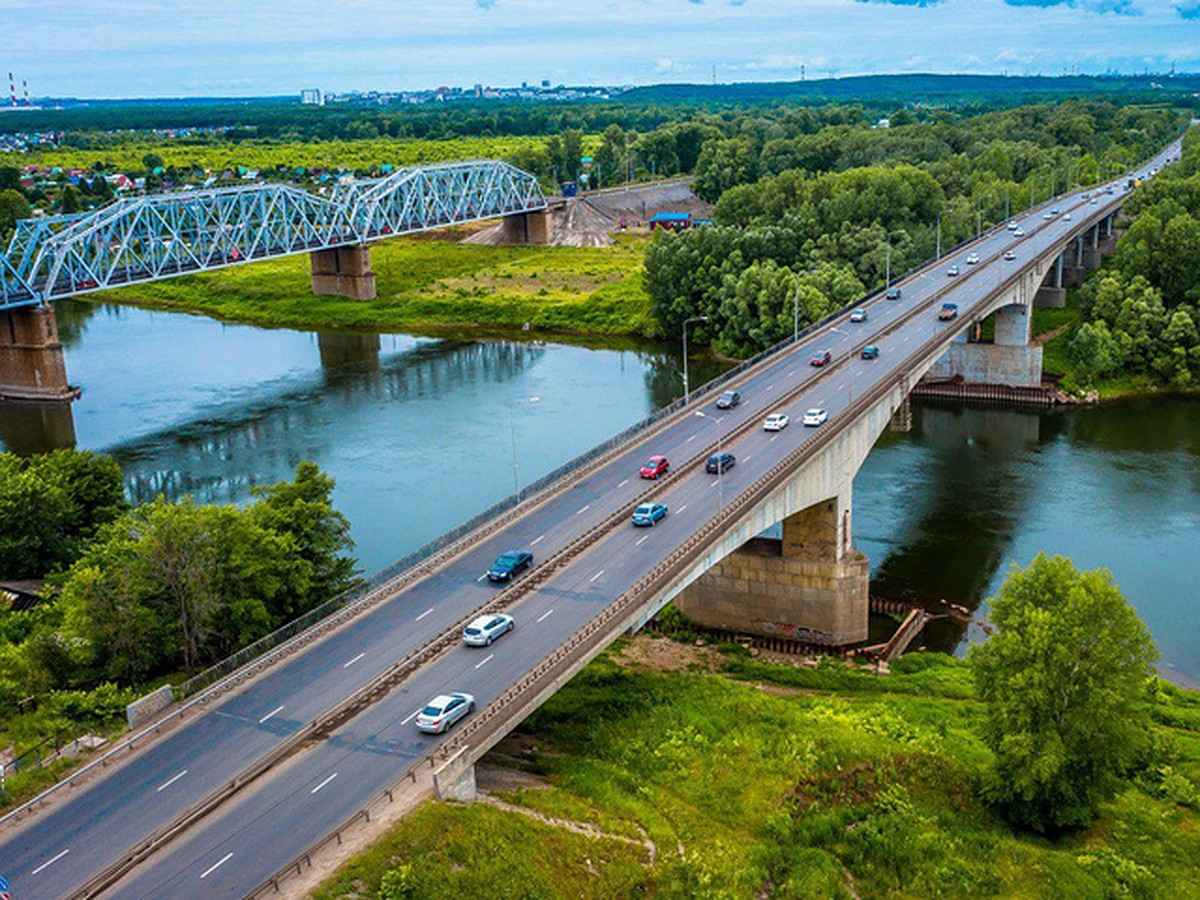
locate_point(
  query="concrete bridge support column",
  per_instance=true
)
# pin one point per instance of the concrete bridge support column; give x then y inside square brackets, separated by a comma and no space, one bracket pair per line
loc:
[810,586]
[31,357]
[1052,294]
[343,272]
[527,228]
[1091,253]
[902,418]
[455,780]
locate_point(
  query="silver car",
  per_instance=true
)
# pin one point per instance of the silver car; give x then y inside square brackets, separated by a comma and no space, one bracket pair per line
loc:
[443,711]
[485,629]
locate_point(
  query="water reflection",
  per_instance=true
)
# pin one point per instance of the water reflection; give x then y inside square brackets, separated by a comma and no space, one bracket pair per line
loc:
[27,428]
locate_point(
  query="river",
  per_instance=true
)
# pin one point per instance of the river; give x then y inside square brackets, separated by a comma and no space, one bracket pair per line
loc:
[422,433]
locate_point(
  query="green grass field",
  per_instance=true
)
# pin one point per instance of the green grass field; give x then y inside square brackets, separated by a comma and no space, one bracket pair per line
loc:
[432,286]
[767,780]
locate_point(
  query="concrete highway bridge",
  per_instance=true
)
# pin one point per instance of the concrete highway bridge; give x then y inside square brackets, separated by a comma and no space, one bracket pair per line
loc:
[139,240]
[239,788]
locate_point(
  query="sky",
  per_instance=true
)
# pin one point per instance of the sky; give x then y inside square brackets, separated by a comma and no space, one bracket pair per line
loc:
[161,48]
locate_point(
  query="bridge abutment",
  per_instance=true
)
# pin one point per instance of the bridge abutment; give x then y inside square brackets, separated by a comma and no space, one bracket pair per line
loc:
[527,228]
[31,357]
[343,272]
[810,585]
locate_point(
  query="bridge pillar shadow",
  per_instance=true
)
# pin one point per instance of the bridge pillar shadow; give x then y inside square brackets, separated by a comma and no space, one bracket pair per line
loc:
[28,428]
[31,357]
[343,272]
[810,585]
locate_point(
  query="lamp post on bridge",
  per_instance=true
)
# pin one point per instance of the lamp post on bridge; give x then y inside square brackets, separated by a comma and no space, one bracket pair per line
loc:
[686,323]
[512,428]
[796,305]
[717,420]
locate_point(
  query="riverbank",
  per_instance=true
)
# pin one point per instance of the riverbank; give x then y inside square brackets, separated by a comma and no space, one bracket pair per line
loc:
[674,770]
[431,286]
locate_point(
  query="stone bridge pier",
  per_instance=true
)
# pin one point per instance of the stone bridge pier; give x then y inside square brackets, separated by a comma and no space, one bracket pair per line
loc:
[31,357]
[343,272]
[527,228]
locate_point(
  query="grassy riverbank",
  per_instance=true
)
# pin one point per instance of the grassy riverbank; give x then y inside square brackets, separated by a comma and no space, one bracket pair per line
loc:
[688,772]
[430,285]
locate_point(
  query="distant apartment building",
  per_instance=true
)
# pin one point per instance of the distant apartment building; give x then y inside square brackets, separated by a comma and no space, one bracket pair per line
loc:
[312,97]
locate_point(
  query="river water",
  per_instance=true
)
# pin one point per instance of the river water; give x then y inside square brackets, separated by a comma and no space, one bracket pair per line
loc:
[423,433]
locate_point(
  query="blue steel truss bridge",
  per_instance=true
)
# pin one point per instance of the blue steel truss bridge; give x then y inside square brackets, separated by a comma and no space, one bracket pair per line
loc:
[142,239]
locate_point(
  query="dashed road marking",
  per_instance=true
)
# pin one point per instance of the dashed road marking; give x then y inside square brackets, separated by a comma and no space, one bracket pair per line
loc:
[715,483]
[481,577]
[483,662]
[544,615]
[51,861]
[585,509]
[170,781]
[277,709]
[623,483]
[412,715]
[351,662]
[681,509]
[424,614]
[536,539]
[641,540]
[323,783]
[594,577]
[692,438]
[224,859]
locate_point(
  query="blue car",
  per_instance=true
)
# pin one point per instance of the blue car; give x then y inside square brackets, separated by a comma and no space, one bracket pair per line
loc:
[649,513]
[511,563]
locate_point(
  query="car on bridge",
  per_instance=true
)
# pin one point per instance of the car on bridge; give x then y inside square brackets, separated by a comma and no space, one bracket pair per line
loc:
[649,513]
[821,359]
[815,417]
[952,271]
[775,422]
[859,315]
[1010,255]
[514,562]
[1012,226]
[719,462]
[948,311]
[1067,217]
[972,259]
[893,293]
[729,400]
[870,352]
[1020,232]
[655,466]
[444,710]
[482,631]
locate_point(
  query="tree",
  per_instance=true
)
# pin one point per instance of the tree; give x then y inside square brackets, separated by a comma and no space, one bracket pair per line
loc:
[13,208]
[1062,678]
[71,201]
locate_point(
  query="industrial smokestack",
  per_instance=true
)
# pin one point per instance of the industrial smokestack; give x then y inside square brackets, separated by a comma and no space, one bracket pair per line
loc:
[25,85]
[12,89]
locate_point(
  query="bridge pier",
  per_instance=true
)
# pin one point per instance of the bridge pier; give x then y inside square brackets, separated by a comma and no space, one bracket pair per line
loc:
[31,357]
[343,272]
[455,780]
[810,586]
[527,228]
[1052,294]
[1091,252]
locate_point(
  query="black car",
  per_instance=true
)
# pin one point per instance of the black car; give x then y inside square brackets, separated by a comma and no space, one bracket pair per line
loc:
[511,563]
[719,462]
[729,400]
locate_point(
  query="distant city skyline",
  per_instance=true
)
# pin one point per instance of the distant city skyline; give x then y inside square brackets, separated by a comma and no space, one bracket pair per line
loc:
[180,48]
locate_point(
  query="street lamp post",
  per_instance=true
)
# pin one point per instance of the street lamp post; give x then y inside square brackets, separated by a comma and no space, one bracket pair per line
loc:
[939,235]
[686,322]
[717,420]
[512,428]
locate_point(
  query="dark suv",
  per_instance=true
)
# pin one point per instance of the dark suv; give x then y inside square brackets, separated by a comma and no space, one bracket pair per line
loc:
[719,462]
[729,400]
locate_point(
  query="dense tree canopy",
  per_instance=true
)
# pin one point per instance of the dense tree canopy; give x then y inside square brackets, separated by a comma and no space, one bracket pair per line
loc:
[1064,678]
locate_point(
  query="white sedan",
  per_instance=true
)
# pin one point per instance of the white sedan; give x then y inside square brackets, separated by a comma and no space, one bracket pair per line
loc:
[485,629]
[444,710]
[775,422]
[815,417]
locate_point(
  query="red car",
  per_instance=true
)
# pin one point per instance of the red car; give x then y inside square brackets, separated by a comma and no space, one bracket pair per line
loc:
[820,359]
[655,466]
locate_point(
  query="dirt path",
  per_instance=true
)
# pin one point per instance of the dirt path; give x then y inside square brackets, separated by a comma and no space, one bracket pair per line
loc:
[1047,336]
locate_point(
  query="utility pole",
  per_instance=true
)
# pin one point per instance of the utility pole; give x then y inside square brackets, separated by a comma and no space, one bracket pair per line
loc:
[686,322]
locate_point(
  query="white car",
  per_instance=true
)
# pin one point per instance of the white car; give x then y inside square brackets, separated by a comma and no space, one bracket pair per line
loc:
[444,710]
[952,271]
[1010,255]
[859,315]
[1067,217]
[1020,232]
[1047,215]
[972,259]
[815,417]
[1012,226]
[775,422]
[485,629]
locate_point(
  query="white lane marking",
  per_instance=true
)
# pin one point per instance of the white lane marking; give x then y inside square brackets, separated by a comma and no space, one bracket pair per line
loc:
[481,577]
[681,509]
[623,483]
[745,459]
[546,614]
[769,386]
[535,540]
[842,386]
[224,859]
[412,715]
[774,439]
[641,540]
[323,783]
[51,861]
[594,577]
[276,710]
[791,373]
[483,662]
[692,438]
[715,483]
[424,614]
[585,509]
[351,662]
[170,781]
